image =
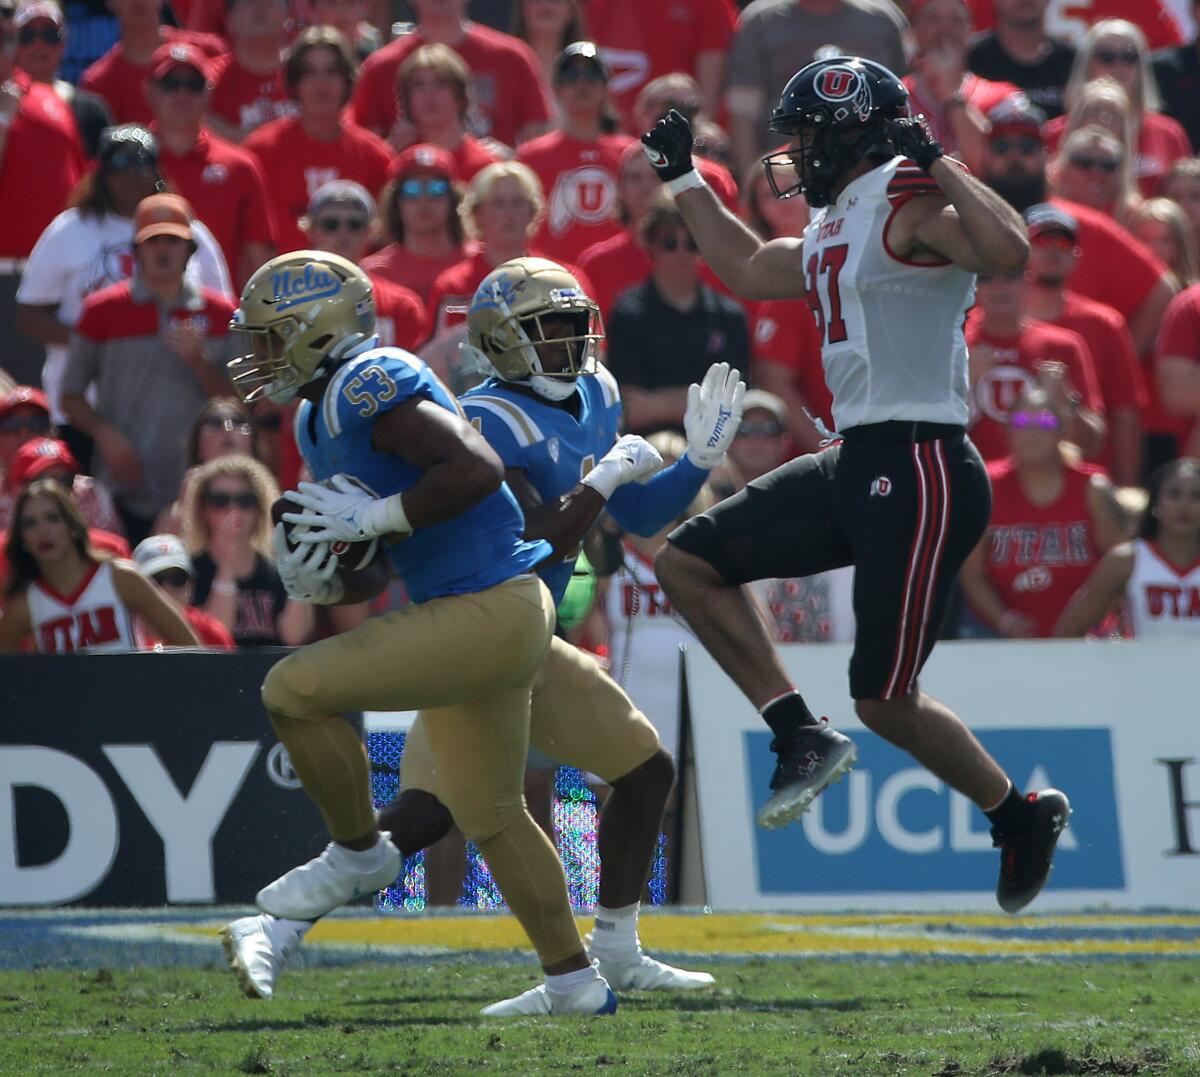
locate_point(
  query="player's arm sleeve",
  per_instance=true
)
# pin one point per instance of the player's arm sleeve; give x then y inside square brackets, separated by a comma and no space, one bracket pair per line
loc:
[646,508]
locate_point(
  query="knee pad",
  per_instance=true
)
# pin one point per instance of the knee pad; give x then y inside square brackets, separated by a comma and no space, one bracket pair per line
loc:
[481,819]
[653,778]
[416,820]
[290,689]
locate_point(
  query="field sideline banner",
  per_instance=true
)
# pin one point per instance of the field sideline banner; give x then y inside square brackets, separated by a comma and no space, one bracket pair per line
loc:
[139,779]
[1114,725]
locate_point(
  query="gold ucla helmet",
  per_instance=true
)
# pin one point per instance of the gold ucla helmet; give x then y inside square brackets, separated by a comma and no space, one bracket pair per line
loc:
[506,318]
[299,312]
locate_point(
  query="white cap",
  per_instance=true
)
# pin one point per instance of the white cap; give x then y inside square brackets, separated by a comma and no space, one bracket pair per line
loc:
[160,552]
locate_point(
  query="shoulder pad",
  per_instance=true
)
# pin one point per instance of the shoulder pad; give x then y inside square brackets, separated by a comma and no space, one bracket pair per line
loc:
[370,384]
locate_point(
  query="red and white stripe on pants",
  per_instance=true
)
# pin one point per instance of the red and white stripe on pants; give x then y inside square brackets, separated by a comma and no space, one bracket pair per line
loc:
[924,564]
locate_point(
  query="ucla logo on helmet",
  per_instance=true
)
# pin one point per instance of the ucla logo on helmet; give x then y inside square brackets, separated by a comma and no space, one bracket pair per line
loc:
[841,85]
[291,288]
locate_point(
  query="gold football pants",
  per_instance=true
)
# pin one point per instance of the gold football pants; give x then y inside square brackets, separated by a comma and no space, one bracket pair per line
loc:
[579,716]
[468,663]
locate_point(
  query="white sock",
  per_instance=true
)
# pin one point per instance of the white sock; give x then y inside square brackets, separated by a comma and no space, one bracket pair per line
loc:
[363,859]
[570,981]
[616,930]
[300,927]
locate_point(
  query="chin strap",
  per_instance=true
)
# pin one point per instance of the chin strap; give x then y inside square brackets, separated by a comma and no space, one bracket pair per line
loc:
[556,389]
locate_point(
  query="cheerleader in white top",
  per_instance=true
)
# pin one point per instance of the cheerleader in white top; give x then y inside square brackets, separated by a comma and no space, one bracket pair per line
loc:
[1158,573]
[68,597]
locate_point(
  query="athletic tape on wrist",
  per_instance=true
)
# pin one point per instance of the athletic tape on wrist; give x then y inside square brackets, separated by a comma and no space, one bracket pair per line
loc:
[685,182]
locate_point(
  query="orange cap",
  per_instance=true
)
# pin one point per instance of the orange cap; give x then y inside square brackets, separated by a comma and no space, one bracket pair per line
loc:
[162,215]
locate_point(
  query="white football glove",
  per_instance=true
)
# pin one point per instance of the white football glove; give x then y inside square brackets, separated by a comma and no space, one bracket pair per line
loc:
[714,411]
[342,511]
[631,459]
[308,572]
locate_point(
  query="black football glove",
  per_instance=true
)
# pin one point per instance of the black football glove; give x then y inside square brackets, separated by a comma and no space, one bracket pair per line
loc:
[911,139]
[669,146]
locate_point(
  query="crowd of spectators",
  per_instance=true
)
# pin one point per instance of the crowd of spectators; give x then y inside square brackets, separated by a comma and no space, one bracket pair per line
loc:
[154,154]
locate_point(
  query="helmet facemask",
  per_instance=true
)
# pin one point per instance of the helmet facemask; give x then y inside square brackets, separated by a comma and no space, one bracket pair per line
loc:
[263,370]
[512,348]
[814,167]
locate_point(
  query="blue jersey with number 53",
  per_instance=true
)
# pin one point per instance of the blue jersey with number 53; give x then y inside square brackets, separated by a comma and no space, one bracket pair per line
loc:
[471,552]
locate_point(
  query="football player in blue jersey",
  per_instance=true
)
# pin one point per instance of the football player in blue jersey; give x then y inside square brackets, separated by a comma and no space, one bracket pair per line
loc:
[552,414]
[427,484]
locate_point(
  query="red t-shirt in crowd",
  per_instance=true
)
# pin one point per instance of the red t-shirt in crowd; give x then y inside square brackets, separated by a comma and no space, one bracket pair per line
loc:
[641,41]
[450,296]
[1014,368]
[121,83]
[1161,142]
[416,272]
[1118,372]
[471,155]
[1103,247]
[212,632]
[621,262]
[580,184]
[1070,19]
[506,83]
[297,166]
[1038,556]
[43,160]
[721,180]
[786,333]
[247,100]
[225,186]
[399,314]
[1179,338]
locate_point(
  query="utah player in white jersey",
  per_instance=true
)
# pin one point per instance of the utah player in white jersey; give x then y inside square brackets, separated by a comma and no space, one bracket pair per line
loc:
[888,267]
[1158,573]
[68,597]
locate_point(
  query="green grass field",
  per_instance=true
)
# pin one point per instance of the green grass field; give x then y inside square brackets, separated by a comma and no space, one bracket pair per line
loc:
[777,1016]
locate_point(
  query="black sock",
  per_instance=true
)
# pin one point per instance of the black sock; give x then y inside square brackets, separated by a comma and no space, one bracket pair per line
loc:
[787,714]
[1011,815]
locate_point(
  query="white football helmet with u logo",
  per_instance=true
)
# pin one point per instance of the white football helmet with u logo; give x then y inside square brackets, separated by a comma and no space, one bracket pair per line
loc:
[300,313]
[505,325]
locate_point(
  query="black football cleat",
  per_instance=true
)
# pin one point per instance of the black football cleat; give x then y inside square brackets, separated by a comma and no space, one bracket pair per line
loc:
[1025,856]
[809,759]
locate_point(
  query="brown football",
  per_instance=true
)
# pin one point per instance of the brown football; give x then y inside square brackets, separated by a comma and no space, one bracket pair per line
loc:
[363,567]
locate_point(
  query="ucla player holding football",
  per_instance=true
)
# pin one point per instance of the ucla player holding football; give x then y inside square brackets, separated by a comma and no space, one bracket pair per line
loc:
[465,652]
[887,264]
[552,414]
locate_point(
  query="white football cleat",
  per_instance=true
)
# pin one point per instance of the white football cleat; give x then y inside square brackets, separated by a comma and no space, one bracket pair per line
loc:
[589,999]
[258,947]
[327,882]
[640,972]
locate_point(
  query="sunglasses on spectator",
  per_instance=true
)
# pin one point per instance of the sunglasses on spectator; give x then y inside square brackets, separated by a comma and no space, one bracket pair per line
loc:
[1057,241]
[1117,56]
[172,577]
[429,188]
[182,84]
[759,430]
[220,499]
[338,224]
[581,73]
[32,424]
[672,243]
[1016,145]
[216,423]
[1034,420]
[1092,164]
[47,35]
